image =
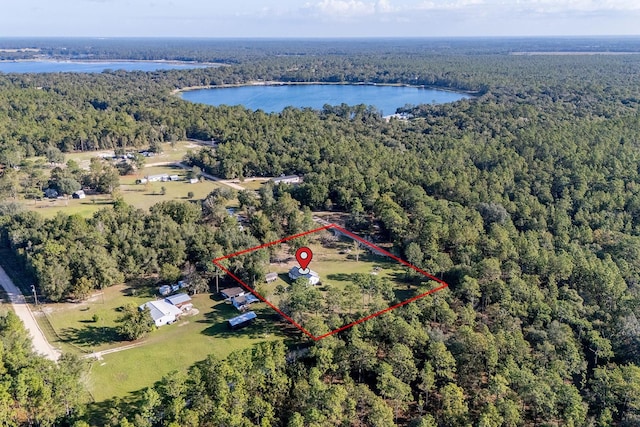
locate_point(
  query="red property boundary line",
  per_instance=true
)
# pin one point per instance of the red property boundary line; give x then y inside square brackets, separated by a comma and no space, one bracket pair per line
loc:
[442,286]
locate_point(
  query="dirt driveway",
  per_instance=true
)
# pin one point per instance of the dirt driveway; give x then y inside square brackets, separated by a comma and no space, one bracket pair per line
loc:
[40,343]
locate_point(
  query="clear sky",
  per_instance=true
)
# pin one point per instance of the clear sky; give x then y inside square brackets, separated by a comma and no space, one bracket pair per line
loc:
[318,18]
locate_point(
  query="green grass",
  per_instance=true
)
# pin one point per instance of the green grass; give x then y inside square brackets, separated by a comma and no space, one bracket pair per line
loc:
[142,196]
[253,183]
[178,346]
[74,326]
[170,154]
[171,347]
[133,194]
[336,265]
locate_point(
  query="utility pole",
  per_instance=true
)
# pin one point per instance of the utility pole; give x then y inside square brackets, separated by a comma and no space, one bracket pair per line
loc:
[35,295]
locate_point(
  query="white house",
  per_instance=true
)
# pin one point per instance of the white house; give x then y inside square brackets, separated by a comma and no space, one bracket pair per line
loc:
[311,276]
[162,312]
[288,179]
[158,178]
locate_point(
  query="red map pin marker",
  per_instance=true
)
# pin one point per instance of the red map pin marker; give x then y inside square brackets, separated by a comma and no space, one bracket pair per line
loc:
[304,255]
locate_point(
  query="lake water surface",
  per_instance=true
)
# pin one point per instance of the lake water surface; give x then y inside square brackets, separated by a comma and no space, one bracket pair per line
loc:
[91,66]
[274,98]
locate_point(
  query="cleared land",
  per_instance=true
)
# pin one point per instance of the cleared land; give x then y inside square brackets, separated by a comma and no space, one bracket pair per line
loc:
[171,347]
[138,195]
[354,282]
[142,196]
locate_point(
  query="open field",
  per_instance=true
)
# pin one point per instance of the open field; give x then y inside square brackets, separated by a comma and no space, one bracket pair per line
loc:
[142,196]
[137,195]
[253,183]
[171,347]
[170,154]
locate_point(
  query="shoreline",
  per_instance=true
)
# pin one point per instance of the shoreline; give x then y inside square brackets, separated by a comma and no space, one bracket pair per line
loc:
[279,83]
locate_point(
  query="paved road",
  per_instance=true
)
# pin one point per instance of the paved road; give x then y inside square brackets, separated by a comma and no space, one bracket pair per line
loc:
[40,343]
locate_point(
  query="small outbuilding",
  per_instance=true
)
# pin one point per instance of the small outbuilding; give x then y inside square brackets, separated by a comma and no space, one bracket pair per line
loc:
[50,193]
[242,320]
[271,277]
[244,301]
[232,292]
[164,290]
[79,195]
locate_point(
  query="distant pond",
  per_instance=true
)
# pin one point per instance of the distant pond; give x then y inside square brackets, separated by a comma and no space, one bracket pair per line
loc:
[275,98]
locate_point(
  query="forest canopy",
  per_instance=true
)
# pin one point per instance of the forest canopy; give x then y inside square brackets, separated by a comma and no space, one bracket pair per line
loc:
[524,198]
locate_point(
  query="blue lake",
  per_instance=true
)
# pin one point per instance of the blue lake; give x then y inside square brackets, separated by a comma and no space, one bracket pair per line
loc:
[91,66]
[274,98]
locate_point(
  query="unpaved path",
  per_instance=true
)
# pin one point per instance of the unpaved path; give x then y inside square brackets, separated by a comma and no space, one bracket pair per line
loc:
[98,354]
[40,343]
[214,178]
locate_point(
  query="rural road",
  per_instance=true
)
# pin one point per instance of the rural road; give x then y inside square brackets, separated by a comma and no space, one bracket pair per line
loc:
[40,343]
[213,178]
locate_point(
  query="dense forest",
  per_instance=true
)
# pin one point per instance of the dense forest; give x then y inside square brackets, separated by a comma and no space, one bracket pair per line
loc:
[524,198]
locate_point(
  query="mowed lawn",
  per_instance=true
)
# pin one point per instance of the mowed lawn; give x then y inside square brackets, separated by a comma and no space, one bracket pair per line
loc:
[170,153]
[170,347]
[142,196]
[253,183]
[178,346]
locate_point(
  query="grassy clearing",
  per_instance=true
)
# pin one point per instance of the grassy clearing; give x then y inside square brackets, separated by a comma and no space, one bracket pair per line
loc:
[178,346]
[171,347]
[132,193]
[338,294]
[77,332]
[170,154]
[142,196]
[253,183]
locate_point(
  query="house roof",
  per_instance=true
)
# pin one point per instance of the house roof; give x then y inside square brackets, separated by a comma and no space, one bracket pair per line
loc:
[294,273]
[285,178]
[160,308]
[250,315]
[311,276]
[244,300]
[232,292]
[178,299]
